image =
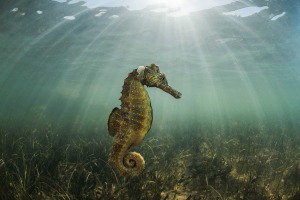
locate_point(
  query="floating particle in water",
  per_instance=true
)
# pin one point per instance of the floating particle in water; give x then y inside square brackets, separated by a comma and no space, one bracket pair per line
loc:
[278,16]
[114,17]
[61,1]
[100,14]
[69,17]
[39,12]
[15,10]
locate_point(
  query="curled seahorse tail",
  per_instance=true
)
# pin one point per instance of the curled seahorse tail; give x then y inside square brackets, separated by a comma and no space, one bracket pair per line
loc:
[134,163]
[123,162]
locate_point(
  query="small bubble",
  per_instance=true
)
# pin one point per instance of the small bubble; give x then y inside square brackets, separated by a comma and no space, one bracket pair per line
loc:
[15,10]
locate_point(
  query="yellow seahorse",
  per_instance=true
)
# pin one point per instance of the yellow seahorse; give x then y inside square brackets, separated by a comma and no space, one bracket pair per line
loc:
[131,123]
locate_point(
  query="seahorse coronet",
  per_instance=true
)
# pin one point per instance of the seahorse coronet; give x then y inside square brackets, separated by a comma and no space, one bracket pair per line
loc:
[141,69]
[130,123]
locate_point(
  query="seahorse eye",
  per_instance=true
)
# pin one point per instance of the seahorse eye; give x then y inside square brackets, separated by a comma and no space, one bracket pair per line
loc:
[163,79]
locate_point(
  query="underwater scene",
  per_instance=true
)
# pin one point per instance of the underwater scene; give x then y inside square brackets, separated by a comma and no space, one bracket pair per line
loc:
[150,99]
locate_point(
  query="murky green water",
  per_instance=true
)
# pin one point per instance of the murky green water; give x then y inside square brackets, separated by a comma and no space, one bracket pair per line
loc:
[238,76]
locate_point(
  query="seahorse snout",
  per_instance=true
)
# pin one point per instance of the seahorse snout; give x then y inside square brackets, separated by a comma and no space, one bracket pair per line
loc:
[170,90]
[156,79]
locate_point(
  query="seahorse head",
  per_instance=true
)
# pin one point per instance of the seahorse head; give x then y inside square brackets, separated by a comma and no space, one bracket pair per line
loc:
[151,77]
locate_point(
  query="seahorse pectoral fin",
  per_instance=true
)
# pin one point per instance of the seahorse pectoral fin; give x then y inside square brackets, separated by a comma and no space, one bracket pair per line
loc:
[114,122]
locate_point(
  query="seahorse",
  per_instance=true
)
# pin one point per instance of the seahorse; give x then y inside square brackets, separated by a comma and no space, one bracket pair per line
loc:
[130,123]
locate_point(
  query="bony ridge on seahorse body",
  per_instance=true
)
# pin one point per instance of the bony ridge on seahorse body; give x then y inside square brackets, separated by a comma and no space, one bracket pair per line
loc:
[130,123]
